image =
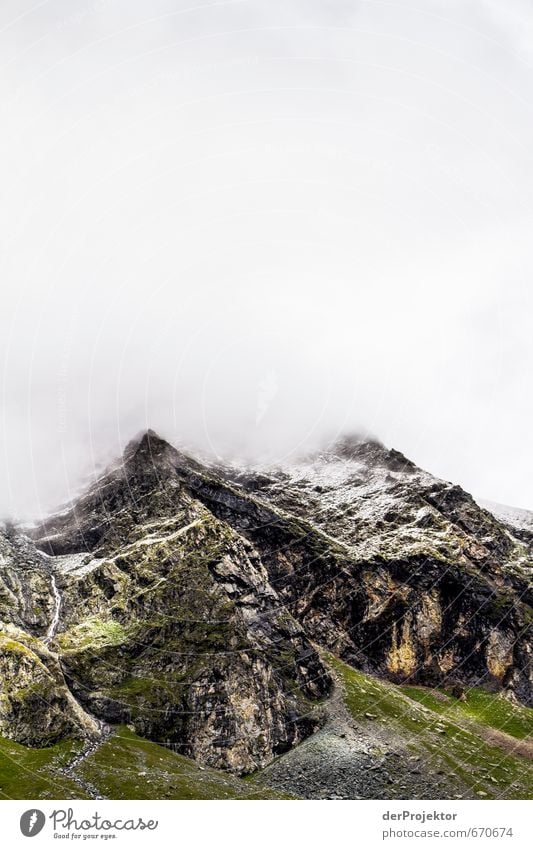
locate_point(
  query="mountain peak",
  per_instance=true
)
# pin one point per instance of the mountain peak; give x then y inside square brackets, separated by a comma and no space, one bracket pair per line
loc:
[147,443]
[370,451]
[352,441]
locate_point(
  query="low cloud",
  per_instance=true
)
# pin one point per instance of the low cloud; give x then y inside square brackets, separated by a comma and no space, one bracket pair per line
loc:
[254,226]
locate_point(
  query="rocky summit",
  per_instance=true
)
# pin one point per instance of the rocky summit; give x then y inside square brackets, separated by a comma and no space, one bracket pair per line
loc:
[349,626]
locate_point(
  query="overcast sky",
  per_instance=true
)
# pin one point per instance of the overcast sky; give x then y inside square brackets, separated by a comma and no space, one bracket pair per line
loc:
[254,224]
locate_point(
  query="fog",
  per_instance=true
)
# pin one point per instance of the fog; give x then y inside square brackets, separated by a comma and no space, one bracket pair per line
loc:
[255,225]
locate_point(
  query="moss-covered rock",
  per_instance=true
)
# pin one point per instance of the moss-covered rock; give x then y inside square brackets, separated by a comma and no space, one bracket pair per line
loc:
[36,707]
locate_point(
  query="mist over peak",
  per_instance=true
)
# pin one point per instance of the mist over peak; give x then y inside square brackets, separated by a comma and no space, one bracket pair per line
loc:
[254,245]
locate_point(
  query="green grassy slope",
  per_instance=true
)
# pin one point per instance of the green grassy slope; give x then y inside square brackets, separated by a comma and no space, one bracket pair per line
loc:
[128,767]
[440,733]
[34,773]
[438,736]
[490,709]
[124,767]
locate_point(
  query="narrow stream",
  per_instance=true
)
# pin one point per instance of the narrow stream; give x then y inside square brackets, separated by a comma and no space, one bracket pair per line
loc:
[57,609]
[91,745]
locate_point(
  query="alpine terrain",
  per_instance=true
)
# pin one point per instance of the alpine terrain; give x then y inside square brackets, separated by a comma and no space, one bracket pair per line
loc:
[346,627]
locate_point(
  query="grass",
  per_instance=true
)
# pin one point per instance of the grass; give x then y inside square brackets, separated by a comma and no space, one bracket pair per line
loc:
[94,633]
[33,773]
[124,767]
[446,735]
[129,767]
[482,768]
[490,709]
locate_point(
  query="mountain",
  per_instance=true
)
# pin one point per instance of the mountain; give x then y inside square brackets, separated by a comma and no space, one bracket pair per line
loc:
[319,628]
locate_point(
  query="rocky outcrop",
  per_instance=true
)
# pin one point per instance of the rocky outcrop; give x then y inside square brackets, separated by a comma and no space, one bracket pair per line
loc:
[36,707]
[26,599]
[395,571]
[169,622]
[188,643]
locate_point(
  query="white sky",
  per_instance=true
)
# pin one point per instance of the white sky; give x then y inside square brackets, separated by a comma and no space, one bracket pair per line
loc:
[253,224]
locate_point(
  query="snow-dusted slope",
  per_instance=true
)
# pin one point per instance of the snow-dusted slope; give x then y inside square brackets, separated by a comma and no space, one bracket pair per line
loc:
[378,502]
[521,520]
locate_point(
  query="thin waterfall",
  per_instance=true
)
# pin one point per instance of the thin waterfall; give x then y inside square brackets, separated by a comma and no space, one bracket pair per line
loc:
[57,608]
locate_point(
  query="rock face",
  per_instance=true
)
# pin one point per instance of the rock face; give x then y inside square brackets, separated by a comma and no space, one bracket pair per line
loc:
[26,599]
[36,706]
[169,622]
[397,572]
[435,581]
[189,600]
